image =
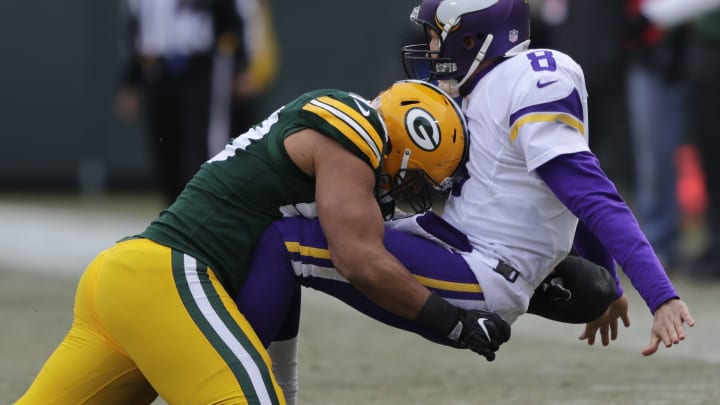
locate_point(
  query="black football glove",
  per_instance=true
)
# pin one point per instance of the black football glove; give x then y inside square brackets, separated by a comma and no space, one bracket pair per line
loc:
[480,331]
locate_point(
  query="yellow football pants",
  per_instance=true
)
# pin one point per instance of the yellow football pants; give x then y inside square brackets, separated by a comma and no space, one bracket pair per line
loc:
[151,320]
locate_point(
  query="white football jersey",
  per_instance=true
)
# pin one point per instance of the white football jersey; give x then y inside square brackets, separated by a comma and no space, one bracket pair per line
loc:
[521,114]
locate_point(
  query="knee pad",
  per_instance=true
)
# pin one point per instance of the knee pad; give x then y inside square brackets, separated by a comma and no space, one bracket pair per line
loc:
[577,291]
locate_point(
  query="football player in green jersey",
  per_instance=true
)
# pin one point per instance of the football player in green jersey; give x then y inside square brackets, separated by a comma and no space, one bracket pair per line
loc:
[154,313]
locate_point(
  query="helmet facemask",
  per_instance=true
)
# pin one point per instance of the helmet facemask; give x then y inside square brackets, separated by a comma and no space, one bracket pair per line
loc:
[413,188]
[410,188]
[422,63]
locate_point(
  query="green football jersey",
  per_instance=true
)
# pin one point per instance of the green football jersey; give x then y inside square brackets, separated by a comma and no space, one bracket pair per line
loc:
[236,195]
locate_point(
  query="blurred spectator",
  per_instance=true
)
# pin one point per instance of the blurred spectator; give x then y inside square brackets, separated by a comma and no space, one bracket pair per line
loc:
[189,60]
[591,32]
[702,63]
[668,13]
[703,102]
[655,105]
[252,85]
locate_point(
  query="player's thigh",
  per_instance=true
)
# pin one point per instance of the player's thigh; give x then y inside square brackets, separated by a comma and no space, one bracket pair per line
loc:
[183,330]
[86,368]
[434,266]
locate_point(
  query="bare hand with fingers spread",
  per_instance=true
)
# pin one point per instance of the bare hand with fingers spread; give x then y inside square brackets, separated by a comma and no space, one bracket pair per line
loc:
[668,325]
[608,323]
[669,322]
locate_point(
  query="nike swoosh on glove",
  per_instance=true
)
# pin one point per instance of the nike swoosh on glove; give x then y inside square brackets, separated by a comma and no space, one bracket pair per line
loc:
[480,331]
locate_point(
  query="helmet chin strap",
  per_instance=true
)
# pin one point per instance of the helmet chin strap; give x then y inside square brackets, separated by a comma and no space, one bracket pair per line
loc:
[404,162]
[455,87]
[400,175]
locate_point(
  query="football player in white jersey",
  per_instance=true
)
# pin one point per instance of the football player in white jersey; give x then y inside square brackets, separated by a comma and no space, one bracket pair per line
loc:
[533,186]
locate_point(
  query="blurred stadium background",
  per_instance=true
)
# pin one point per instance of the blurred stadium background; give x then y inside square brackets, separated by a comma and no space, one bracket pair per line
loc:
[74,178]
[61,62]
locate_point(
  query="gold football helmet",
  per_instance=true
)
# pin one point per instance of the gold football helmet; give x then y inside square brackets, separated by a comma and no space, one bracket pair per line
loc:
[427,143]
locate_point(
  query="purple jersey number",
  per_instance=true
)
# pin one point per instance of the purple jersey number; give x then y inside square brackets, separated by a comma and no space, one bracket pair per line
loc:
[542,61]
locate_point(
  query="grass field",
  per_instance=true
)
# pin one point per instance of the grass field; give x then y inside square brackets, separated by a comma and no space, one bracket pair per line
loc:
[346,358]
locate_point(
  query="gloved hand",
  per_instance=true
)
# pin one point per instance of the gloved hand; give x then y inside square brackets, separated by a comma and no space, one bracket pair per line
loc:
[480,331]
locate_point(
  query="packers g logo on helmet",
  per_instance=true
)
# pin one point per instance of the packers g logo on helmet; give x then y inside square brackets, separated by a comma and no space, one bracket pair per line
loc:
[423,129]
[427,142]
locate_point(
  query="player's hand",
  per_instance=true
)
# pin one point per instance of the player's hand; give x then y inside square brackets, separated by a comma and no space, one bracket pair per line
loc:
[607,324]
[480,331]
[244,86]
[668,321]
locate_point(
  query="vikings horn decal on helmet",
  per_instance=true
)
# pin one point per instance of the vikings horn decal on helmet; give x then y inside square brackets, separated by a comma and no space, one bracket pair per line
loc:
[470,31]
[428,142]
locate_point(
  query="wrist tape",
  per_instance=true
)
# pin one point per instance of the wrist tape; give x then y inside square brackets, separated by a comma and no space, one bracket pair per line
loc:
[438,315]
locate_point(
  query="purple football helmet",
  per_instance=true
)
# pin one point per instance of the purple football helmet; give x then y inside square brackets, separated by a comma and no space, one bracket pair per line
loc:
[469,31]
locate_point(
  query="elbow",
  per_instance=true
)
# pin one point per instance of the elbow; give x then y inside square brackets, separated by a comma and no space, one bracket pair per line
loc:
[358,269]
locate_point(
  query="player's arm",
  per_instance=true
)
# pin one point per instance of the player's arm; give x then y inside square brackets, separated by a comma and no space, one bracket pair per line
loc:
[577,180]
[353,225]
[351,220]
[588,246]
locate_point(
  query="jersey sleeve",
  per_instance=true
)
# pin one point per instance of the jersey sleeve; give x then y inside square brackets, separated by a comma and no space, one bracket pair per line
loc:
[352,122]
[579,183]
[549,116]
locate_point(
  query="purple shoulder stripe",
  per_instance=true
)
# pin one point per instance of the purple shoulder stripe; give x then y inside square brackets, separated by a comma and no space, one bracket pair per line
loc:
[571,105]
